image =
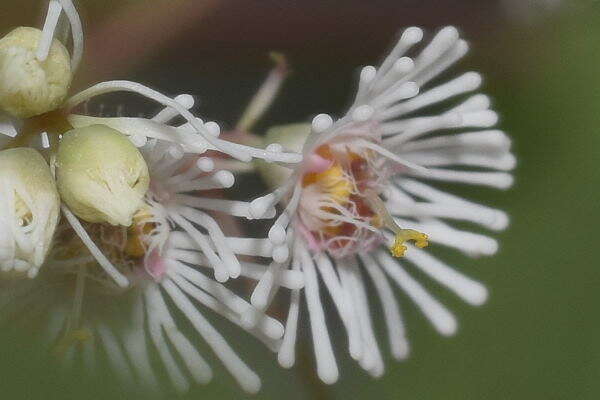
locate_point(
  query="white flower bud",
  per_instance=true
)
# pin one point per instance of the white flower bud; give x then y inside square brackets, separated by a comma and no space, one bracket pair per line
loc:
[101,175]
[29,86]
[29,210]
[292,138]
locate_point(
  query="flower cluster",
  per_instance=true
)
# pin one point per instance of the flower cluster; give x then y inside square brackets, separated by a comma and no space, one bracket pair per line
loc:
[359,190]
[111,227]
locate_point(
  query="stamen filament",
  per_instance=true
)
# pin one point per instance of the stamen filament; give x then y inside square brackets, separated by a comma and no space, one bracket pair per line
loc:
[73,332]
[54,11]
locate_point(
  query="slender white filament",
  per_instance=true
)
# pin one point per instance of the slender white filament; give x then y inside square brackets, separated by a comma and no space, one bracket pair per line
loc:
[108,267]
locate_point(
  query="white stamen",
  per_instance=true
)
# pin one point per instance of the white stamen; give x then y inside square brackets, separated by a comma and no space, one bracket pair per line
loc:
[362,113]
[205,164]
[432,70]
[441,42]
[231,207]
[409,38]
[175,151]
[218,180]
[443,321]
[213,128]
[395,77]
[395,326]
[404,65]
[45,140]
[196,365]
[220,269]
[262,291]
[218,238]
[289,279]
[372,360]
[465,83]
[321,123]
[405,130]
[404,91]
[477,102]
[245,246]
[367,74]
[479,119]
[498,180]
[115,354]
[54,11]
[263,327]
[138,140]
[490,140]
[343,304]
[277,234]
[156,314]
[326,365]
[287,352]
[247,379]
[492,218]
[280,253]
[167,114]
[466,288]
[76,31]
[136,345]
[8,126]
[275,147]
[119,278]
[112,86]
[191,142]
[449,157]
[390,155]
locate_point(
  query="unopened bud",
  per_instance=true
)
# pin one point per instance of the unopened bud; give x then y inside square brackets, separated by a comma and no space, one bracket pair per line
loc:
[29,210]
[101,175]
[292,137]
[28,86]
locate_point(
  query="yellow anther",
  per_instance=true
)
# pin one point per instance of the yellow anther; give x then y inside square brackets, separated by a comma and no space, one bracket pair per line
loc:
[70,339]
[333,181]
[398,248]
[135,246]
[81,335]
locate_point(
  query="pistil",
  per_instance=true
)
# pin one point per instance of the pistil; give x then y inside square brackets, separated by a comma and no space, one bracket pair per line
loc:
[401,235]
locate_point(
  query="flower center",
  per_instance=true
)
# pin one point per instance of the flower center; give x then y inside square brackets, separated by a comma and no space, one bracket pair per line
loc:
[126,248]
[341,210]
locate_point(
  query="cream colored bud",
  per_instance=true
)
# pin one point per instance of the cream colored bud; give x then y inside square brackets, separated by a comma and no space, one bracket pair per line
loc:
[101,175]
[292,138]
[29,210]
[29,86]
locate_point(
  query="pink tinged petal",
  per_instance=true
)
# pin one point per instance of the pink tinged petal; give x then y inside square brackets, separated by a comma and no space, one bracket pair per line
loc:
[316,163]
[311,241]
[155,265]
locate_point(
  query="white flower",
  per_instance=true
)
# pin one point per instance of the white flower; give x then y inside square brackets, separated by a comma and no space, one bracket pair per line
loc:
[165,254]
[195,136]
[106,287]
[360,190]
[29,210]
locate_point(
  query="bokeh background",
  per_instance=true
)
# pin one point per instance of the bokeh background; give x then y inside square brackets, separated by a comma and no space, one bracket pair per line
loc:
[538,336]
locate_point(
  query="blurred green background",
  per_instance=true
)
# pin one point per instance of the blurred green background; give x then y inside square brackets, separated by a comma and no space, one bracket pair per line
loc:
[538,336]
